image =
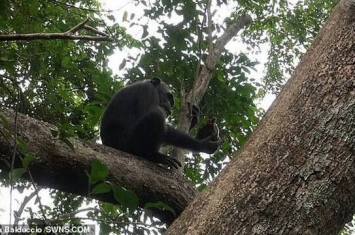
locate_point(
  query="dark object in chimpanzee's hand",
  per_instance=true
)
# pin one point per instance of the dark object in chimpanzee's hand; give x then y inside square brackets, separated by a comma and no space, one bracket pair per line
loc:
[209,131]
[134,122]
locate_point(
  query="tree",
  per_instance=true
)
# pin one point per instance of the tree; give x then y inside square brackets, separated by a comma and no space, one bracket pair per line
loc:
[295,175]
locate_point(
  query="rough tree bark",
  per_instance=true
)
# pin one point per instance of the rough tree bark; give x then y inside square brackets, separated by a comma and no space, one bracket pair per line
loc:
[57,166]
[296,173]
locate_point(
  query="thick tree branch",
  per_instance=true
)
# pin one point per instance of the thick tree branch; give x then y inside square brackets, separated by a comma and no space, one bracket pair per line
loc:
[56,166]
[68,35]
[215,51]
[204,75]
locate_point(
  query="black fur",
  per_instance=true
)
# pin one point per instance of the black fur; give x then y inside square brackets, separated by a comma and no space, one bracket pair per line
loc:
[134,122]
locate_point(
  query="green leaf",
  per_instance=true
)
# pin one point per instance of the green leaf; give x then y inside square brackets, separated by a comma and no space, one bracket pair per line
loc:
[159,205]
[22,145]
[145,31]
[27,160]
[66,61]
[6,162]
[109,208]
[111,17]
[99,171]
[101,188]
[122,65]
[3,121]
[15,174]
[126,198]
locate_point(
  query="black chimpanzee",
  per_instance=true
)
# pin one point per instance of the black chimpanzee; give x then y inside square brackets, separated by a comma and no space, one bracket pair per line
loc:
[134,122]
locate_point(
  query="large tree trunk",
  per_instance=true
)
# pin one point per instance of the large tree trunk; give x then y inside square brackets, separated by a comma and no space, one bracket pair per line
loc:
[296,174]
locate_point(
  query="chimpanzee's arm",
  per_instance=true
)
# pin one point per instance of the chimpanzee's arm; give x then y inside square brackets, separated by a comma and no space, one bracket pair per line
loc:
[180,139]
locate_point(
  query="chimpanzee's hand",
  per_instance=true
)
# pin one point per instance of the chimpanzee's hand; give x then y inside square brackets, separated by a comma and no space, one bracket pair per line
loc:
[211,146]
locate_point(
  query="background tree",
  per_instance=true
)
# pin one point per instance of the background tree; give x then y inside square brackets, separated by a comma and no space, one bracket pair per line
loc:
[68,83]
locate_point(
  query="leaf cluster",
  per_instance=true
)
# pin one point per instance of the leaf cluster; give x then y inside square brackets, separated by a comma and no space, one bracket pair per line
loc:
[288,28]
[66,83]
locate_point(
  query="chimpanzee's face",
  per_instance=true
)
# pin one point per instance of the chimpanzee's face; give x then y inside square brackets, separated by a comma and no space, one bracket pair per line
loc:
[166,98]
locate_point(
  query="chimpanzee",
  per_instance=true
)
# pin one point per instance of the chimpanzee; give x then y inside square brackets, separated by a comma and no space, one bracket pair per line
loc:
[134,122]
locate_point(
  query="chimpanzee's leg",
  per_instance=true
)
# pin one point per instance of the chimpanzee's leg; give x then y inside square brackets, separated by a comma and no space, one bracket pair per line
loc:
[146,137]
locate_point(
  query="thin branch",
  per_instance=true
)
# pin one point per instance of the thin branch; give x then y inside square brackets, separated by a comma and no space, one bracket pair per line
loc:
[68,35]
[232,30]
[71,215]
[209,27]
[51,36]
[24,203]
[37,189]
[213,56]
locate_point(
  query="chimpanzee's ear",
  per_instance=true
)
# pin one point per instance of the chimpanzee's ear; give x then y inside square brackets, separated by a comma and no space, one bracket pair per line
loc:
[155,81]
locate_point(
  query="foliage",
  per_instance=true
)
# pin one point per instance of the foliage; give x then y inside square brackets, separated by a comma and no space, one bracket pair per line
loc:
[68,83]
[288,27]
[63,82]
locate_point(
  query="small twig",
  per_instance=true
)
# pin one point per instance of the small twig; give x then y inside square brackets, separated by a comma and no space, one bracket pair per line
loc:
[14,153]
[77,27]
